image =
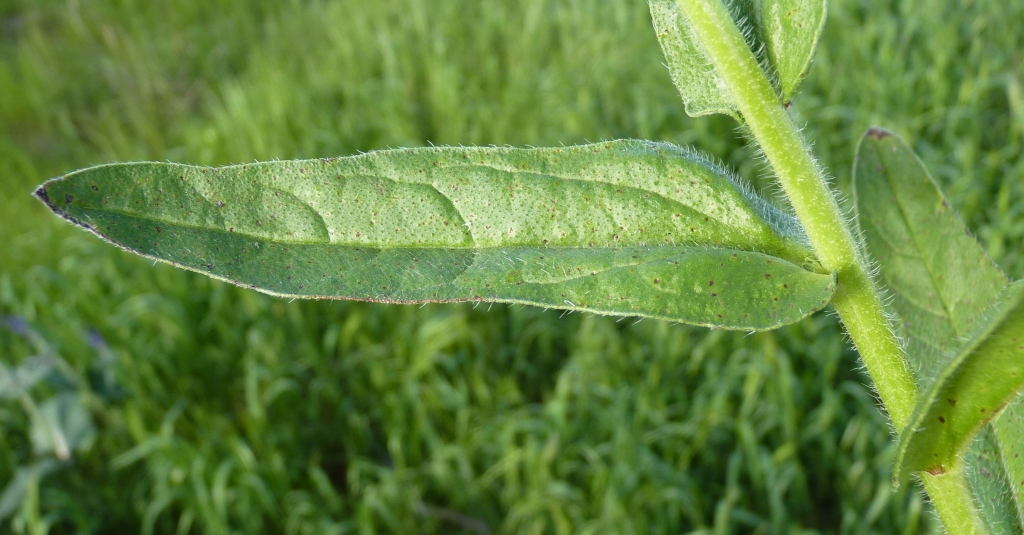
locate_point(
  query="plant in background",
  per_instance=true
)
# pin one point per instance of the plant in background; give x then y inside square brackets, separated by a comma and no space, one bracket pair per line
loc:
[636,228]
[60,425]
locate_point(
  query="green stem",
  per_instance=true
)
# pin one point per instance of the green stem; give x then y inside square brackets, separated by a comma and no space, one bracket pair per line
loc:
[951,496]
[857,300]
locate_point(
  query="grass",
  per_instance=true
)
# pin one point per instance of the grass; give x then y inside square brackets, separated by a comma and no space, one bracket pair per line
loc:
[233,412]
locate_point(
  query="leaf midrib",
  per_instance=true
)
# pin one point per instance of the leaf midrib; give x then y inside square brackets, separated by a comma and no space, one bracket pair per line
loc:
[689,245]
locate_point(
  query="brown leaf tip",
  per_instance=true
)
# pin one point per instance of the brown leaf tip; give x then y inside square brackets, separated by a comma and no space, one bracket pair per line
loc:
[40,193]
[877,133]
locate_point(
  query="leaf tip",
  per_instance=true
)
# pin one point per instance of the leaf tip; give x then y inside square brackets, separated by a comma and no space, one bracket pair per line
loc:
[56,201]
[877,133]
[55,204]
[40,193]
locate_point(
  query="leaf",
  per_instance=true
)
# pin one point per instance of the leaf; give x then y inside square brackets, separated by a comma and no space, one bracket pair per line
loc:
[63,426]
[624,227]
[791,30]
[14,493]
[1009,431]
[992,475]
[942,283]
[987,376]
[19,380]
[941,299]
[782,33]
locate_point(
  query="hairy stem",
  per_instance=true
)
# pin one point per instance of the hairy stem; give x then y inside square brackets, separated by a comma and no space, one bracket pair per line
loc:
[951,496]
[857,300]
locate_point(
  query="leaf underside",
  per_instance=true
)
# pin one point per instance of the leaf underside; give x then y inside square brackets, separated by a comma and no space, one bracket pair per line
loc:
[943,289]
[625,228]
[783,34]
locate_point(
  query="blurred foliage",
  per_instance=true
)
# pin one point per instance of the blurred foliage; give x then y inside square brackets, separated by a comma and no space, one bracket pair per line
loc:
[217,409]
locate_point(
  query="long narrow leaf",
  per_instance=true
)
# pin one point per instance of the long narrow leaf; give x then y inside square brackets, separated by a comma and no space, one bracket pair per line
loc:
[625,228]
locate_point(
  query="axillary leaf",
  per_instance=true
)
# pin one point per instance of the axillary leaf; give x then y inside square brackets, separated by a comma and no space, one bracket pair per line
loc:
[624,227]
[783,34]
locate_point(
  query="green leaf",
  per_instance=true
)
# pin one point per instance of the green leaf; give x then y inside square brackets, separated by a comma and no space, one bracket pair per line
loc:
[14,382]
[782,33]
[972,390]
[64,426]
[624,227]
[992,473]
[1009,437]
[942,283]
[943,288]
[17,488]
[791,30]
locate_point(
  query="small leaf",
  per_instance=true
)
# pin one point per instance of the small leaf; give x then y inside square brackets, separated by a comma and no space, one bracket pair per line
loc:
[969,393]
[14,493]
[1009,437]
[63,426]
[942,285]
[991,476]
[625,228]
[783,34]
[791,30]
[16,381]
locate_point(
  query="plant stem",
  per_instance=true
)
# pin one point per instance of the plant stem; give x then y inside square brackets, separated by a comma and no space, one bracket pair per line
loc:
[951,496]
[857,300]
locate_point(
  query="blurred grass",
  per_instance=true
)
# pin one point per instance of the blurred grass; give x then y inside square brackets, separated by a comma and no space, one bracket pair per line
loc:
[244,413]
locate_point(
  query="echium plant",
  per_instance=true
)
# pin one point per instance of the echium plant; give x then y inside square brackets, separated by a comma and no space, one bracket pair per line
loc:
[637,228]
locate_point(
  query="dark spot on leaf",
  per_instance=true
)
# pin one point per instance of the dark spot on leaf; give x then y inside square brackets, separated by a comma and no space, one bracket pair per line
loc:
[942,419]
[711,283]
[657,281]
[95,188]
[68,198]
[952,402]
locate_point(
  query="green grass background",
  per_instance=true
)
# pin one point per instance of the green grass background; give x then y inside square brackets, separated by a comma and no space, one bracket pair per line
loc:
[243,413]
